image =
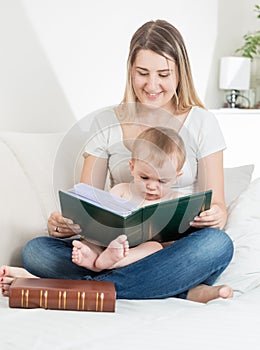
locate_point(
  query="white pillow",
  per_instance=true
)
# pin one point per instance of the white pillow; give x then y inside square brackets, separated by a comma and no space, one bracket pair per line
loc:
[36,155]
[243,226]
[236,181]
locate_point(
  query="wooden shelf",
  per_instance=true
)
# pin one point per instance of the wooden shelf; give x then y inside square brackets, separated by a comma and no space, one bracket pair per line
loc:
[235,111]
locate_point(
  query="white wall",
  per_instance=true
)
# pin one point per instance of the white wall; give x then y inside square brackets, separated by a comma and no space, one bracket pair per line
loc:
[87,43]
[65,58]
[31,97]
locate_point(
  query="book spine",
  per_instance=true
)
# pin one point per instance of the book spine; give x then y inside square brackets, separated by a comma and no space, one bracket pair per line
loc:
[62,300]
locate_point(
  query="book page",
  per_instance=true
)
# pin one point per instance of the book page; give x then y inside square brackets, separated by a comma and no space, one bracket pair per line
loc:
[103,199]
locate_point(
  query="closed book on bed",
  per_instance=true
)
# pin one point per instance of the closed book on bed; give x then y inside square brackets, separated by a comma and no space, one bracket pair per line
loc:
[61,294]
[103,216]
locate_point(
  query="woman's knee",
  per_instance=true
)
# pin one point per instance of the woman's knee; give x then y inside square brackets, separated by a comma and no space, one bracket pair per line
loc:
[31,246]
[33,251]
[218,244]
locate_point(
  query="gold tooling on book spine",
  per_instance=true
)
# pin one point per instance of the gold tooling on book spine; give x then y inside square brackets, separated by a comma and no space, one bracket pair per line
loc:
[64,295]
[78,300]
[45,299]
[22,295]
[97,295]
[59,299]
[41,294]
[25,294]
[102,297]
[27,298]
[83,295]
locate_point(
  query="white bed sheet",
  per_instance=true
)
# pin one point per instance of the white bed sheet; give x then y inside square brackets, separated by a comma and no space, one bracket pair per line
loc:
[152,324]
[160,324]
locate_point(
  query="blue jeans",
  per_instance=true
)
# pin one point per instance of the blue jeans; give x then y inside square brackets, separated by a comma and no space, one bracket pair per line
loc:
[198,258]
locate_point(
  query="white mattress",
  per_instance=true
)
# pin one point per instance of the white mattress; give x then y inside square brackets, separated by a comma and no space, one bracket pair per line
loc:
[151,324]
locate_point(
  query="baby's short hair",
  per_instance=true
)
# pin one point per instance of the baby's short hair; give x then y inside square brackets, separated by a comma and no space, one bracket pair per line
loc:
[156,144]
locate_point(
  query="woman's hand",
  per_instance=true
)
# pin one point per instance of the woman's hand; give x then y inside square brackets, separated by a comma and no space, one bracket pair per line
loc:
[215,217]
[60,227]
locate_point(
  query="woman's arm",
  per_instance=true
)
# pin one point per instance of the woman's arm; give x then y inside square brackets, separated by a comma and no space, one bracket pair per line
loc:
[211,176]
[94,173]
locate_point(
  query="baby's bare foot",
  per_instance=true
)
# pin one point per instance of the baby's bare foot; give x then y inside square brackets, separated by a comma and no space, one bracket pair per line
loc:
[8,274]
[116,251]
[84,255]
[204,293]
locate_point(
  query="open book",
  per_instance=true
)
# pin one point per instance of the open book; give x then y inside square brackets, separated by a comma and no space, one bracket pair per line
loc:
[103,216]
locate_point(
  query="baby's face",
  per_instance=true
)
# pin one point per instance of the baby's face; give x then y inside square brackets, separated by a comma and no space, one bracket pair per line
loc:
[153,182]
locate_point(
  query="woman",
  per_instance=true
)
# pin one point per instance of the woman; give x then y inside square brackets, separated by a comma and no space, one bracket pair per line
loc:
[159,91]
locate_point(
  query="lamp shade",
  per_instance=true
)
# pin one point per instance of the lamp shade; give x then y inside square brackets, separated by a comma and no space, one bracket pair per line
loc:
[234,73]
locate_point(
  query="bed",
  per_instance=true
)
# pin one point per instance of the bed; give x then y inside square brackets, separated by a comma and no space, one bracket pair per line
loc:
[32,168]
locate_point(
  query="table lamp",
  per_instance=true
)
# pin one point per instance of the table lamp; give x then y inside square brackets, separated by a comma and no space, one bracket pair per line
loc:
[234,76]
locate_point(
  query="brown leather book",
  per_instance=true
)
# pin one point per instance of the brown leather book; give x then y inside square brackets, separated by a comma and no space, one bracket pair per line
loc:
[60,294]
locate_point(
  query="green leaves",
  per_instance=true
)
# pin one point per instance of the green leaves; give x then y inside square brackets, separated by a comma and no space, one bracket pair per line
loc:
[251,47]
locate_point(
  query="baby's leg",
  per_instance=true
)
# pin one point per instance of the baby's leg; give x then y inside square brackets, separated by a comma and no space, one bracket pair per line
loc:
[117,250]
[133,254]
[85,254]
[139,252]
[8,274]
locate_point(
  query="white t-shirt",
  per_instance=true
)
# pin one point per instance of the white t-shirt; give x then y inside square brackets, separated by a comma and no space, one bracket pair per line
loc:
[200,132]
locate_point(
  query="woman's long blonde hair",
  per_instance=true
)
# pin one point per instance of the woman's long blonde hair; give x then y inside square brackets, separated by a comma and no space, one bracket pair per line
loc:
[164,39]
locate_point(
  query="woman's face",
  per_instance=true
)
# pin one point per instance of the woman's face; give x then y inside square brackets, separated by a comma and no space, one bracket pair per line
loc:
[154,79]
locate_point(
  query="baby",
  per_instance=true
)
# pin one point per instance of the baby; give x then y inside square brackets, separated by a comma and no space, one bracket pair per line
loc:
[157,158]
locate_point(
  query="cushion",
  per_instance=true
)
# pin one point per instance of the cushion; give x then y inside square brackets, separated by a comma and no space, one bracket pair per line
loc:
[22,216]
[27,195]
[237,180]
[243,226]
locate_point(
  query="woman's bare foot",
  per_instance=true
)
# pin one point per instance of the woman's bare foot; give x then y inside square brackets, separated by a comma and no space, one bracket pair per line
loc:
[8,274]
[115,251]
[204,293]
[85,254]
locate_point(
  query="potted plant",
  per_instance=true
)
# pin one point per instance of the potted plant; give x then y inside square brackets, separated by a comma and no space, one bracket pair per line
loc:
[251,49]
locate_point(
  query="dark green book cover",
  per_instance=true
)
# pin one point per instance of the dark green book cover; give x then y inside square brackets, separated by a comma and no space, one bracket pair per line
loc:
[103,216]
